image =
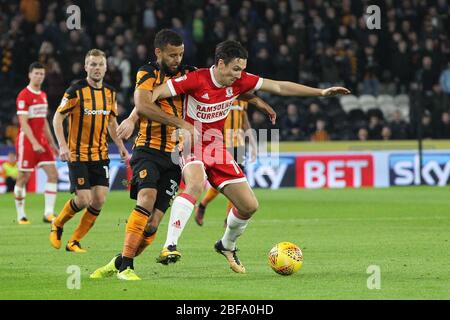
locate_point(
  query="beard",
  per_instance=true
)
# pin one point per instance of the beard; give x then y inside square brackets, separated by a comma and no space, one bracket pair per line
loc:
[167,69]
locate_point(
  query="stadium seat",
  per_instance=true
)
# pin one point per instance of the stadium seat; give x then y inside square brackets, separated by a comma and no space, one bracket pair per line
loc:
[349,102]
[401,100]
[385,99]
[388,110]
[367,101]
[404,110]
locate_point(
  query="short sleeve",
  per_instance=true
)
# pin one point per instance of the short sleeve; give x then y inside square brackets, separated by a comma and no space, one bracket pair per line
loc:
[68,102]
[250,82]
[22,105]
[184,84]
[145,78]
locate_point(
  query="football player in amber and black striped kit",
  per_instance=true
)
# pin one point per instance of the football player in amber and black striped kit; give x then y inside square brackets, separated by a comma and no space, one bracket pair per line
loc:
[155,176]
[91,107]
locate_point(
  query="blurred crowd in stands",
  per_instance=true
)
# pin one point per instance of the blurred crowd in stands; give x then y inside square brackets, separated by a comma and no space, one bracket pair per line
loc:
[314,42]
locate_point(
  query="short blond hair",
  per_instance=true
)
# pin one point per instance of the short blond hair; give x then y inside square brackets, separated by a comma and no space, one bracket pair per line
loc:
[95,53]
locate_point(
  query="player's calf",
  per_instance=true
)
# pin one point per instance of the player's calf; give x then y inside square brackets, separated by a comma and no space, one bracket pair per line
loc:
[149,237]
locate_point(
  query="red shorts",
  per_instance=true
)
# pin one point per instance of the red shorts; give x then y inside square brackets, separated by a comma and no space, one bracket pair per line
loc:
[27,159]
[220,167]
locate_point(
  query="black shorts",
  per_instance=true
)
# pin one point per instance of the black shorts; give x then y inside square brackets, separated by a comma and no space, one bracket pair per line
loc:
[239,156]
[87,174]
[155,169]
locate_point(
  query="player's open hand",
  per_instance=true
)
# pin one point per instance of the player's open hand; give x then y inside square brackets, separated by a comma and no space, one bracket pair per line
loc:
[272,116]
[38,148]
[64,153]
[333,91]
[270,112]
[125,129]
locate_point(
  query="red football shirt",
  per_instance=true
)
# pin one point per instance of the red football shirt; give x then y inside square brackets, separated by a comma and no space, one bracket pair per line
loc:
[34,105]
[206,100]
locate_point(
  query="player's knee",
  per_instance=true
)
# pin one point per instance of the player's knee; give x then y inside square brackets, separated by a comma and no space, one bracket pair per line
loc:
[146,200]
[83,200]
[52,176]
[249,208]
[98,201]
[23,178]
[195,189]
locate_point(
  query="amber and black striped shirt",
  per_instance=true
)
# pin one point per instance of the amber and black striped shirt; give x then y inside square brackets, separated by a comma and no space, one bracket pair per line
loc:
[234,125]
[153,134]
[89,112]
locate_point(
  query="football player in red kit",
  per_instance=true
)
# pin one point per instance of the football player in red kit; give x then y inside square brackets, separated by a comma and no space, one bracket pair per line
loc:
[209,94]
[35,144]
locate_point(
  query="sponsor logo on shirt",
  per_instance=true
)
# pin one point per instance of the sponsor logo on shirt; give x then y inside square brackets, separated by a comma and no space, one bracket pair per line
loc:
[96,112]
[214,112]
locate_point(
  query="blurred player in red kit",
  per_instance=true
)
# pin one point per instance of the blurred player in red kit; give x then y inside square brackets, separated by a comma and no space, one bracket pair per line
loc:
[35,144]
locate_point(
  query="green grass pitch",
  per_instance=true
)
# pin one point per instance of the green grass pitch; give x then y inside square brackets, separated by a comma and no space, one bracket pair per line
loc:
[404,231]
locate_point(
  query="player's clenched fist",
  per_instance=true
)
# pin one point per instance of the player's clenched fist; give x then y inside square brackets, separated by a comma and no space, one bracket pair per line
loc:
[64,153]
[38,148]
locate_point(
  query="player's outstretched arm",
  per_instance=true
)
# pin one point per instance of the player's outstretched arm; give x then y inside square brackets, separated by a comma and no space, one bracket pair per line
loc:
[146,107]
[58,120]
[112,130]
[162,91]
[126,127]
[287,88]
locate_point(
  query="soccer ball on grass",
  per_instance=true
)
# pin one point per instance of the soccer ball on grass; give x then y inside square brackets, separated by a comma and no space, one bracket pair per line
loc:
[286,258]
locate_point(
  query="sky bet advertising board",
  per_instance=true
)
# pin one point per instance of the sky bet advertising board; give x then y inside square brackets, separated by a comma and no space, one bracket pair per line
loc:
[404,169]
[307,170]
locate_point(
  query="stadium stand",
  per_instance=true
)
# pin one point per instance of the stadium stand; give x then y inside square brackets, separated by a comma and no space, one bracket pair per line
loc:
[315,42]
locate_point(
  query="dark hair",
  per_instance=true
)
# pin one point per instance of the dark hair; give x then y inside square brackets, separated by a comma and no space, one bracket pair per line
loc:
[229,50]
[35,65]
[165,37]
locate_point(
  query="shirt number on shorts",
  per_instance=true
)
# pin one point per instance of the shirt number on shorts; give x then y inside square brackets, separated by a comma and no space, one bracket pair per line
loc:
[235,166]
[173,188]
[106,171]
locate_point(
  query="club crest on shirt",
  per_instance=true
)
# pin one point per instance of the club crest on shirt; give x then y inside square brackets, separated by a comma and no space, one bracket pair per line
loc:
[229,92]
[143,173]
[80,181]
